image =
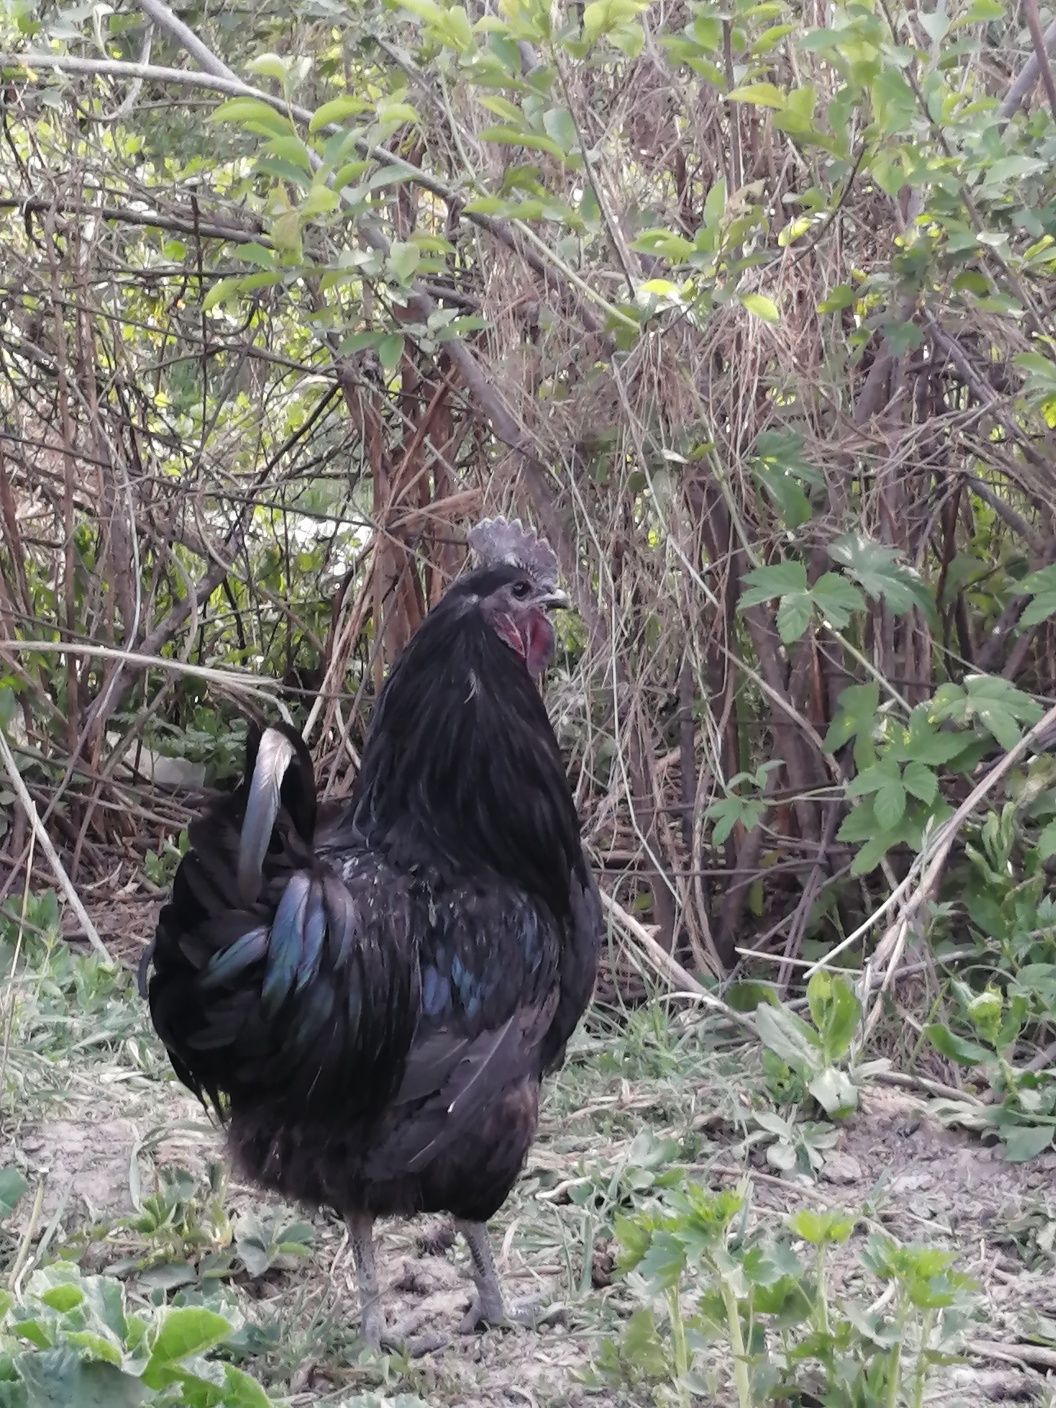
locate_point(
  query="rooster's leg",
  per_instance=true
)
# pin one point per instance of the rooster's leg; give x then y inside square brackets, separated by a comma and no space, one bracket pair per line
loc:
[361,1235]
[490,1307]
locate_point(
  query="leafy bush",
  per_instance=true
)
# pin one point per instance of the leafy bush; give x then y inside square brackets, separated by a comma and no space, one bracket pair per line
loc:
[706,1278]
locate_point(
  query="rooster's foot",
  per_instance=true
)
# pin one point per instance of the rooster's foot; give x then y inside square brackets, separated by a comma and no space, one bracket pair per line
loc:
[400,1338]
[527,1314]
[489,1305]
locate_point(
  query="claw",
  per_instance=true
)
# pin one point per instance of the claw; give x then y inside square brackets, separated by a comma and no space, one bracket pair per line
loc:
[489,1306]
[529,1314]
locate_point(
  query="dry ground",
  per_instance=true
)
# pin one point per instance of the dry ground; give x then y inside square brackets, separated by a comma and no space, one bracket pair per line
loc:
[100,1122]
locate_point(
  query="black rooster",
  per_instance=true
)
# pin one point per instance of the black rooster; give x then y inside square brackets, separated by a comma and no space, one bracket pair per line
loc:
[370,998]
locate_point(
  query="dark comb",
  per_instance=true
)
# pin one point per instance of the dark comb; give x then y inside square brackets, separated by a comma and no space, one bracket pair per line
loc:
[497,540]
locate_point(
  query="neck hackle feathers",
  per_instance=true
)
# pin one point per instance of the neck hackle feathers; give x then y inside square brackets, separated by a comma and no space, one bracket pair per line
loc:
[497,541]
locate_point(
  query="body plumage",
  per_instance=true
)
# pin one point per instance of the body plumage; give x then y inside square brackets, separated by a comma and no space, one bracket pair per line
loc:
[372,995]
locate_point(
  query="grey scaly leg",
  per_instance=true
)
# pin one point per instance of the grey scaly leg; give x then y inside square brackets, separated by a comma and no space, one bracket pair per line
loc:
[490,1307]
[372,1327]
[361,1235]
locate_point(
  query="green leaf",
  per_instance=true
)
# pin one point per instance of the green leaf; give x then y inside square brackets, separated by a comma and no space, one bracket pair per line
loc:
[241,1391]
[759,95]
[836,598]
[184,1332]
[835,1011]
[727,812]
[12,1187]
[869,856]
[821,1229]
[513,137]
[889,804]
[920,782]
[760,306]
[956,1048]
[1023,1142]
[335,111]
[1000,707]
[270,66]
[835,1092]
[560,128]
[663,1263]
[879,572]
[1041,588]
[390,350]
[1046,851]
[320,200]
[856,717]
[393,113]
[935,23]
[253,115]
[793,616]
[779,579]
[789,1037]
[288,147]
[666,244]
[403,260]
[56,1378]
[1039,609]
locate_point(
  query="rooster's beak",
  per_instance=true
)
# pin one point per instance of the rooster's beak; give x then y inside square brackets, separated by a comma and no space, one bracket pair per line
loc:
[556,601]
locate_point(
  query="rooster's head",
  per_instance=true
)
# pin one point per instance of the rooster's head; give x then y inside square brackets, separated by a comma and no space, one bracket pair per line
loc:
[514,584]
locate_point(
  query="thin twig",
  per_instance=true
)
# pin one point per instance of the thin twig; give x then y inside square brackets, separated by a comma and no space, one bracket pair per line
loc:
[7,758]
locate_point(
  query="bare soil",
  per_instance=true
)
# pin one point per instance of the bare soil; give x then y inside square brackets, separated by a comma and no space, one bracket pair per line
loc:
[918,1180]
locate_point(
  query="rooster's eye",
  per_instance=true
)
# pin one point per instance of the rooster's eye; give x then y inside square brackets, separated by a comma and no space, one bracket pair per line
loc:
[521,590]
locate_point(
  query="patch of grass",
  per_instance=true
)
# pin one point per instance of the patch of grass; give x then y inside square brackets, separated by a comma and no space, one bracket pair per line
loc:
[659,1126]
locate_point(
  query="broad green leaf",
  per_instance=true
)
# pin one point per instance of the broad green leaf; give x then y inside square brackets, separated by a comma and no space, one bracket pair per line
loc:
[836,598]
[760,306]
[664,243]
[789,1037]
[512,137]
[510,113]
[822,1229]
[835,1092]
[835,1011]
[889,805]
[57,1378]
[270,66]
[560,127]
[390,350]
[869,856]
[395,113]
[241,1391]
[1039,609]
[12,1187]
[663,1263]
[778,579]
[1046,843]
[856,718]
[880,573]
[403,260]
[427,10]
[1023,1142]
[186,1331]
[920,782]
[253,115]
[785,492]
[320,200]
[956,1048]
[759,95]
[793,616]
[335,111]
[1041,588]
[1000,707]
[220,292]
[935,23]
